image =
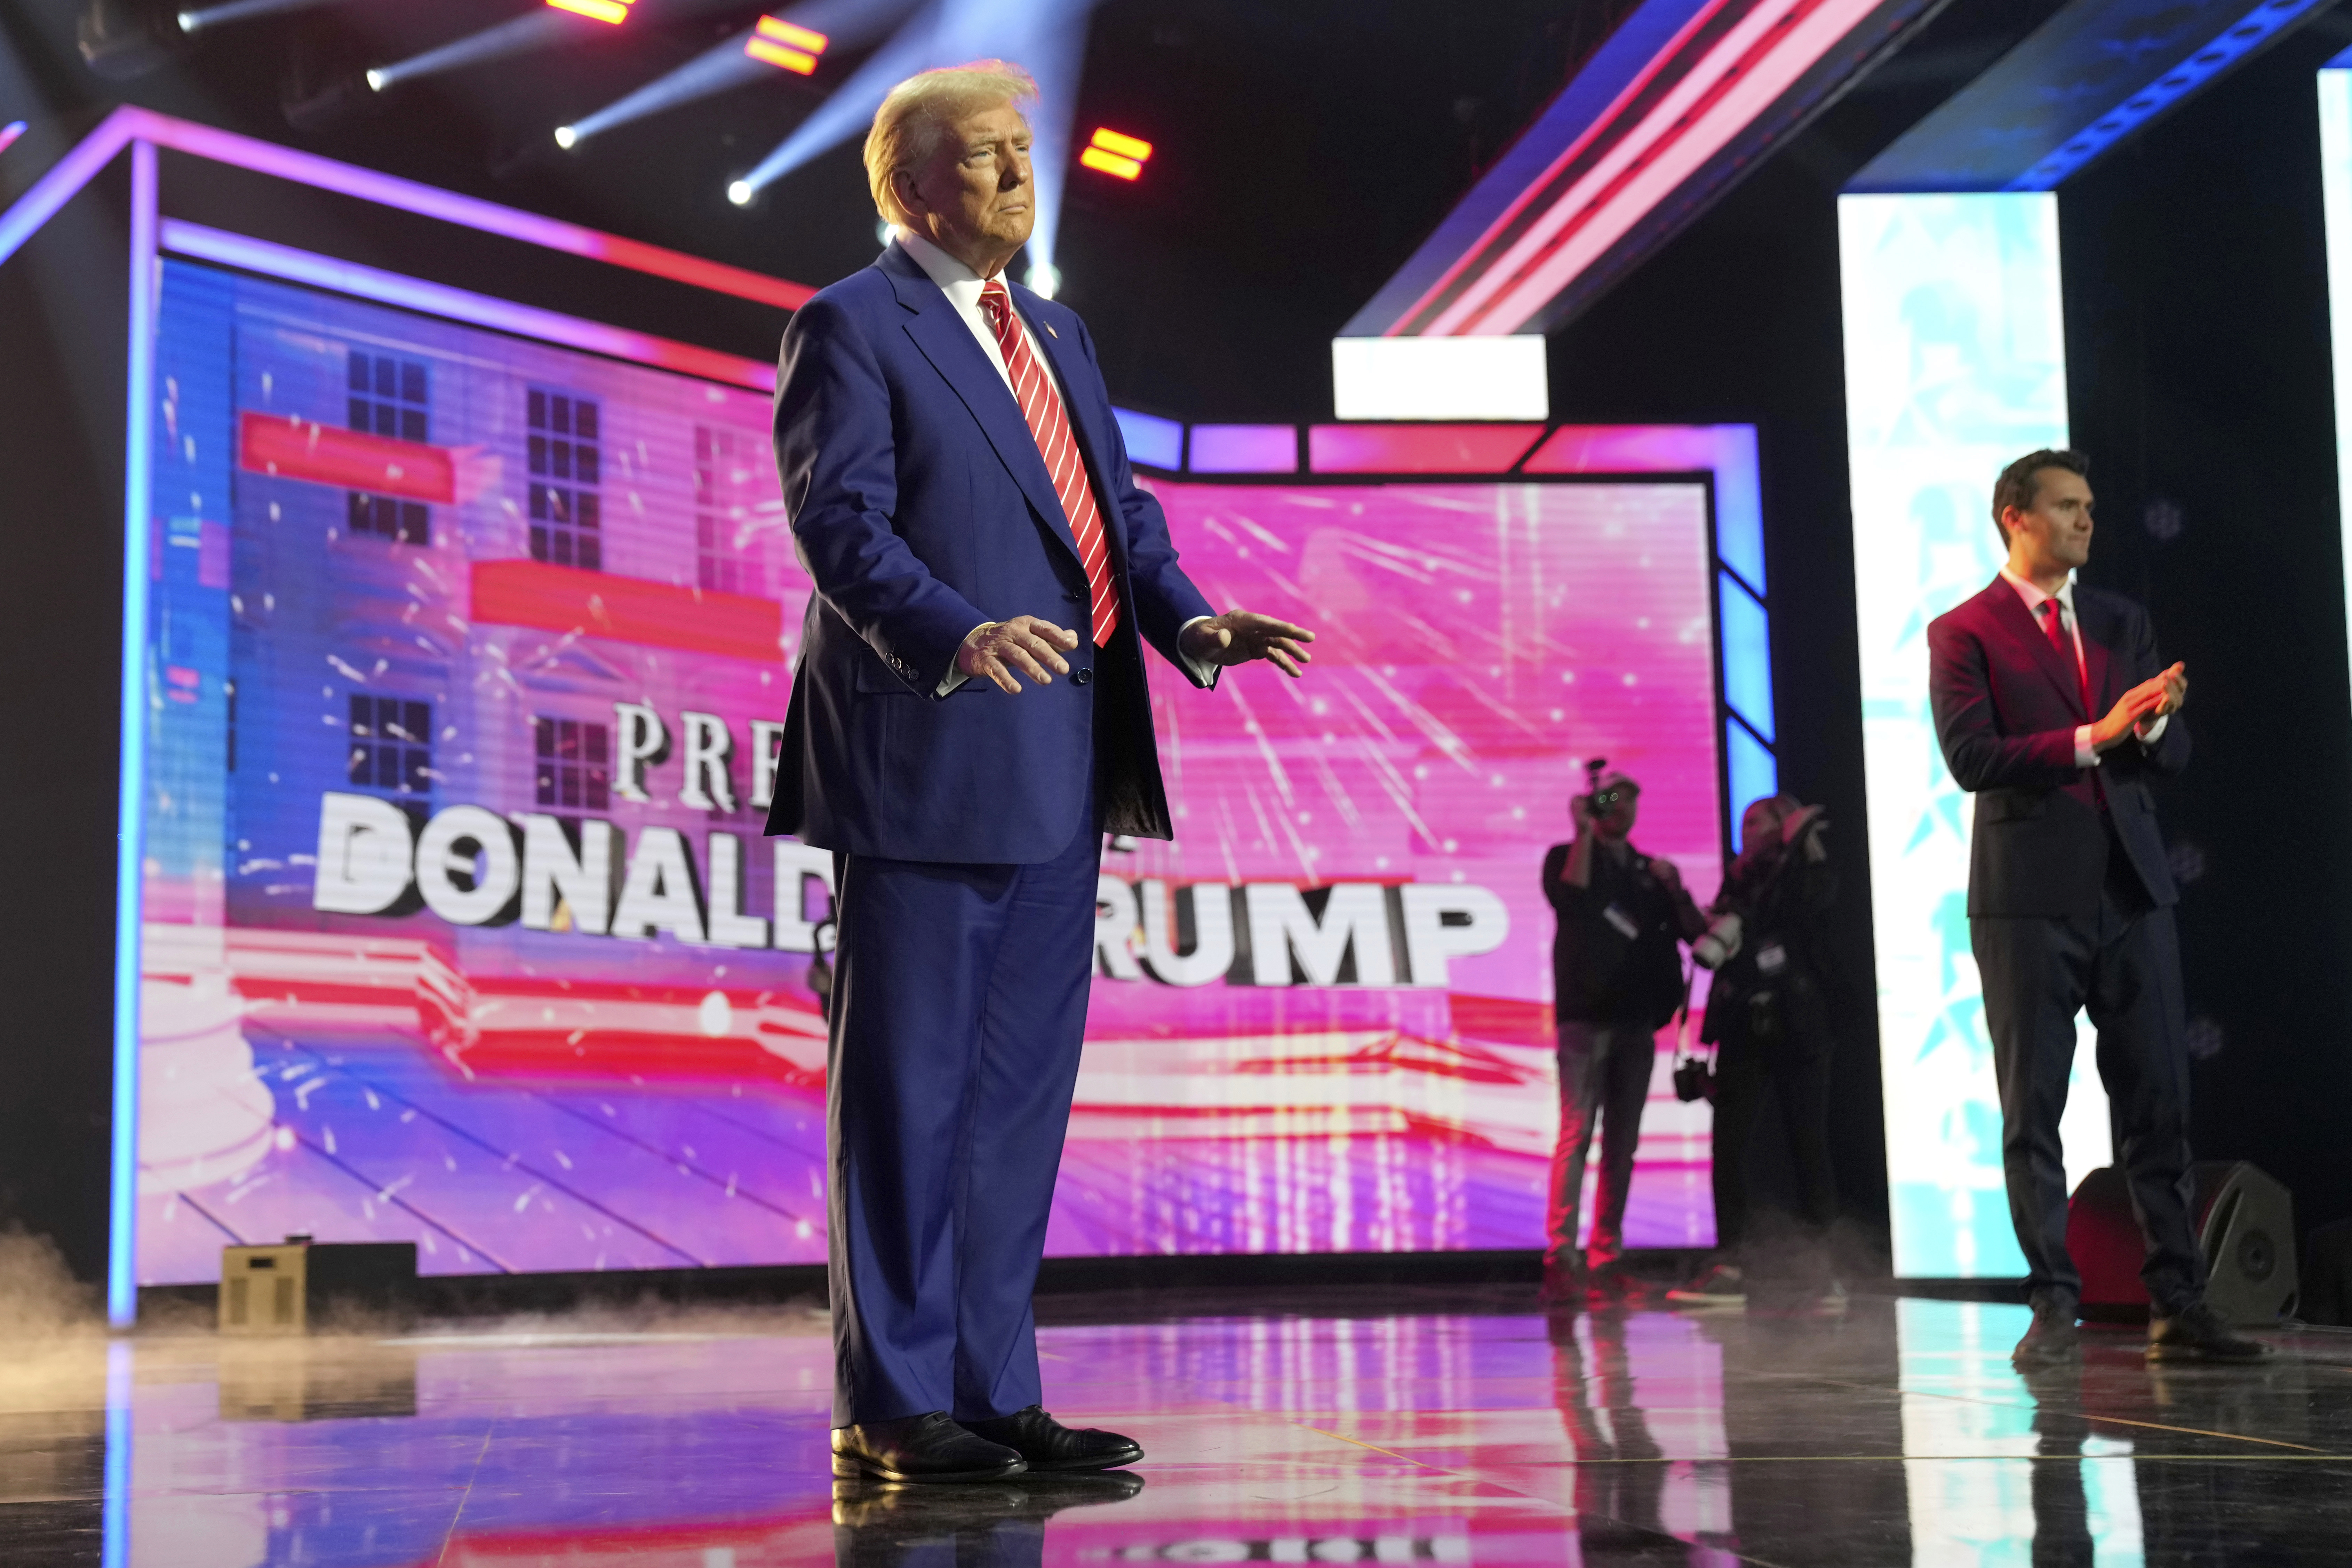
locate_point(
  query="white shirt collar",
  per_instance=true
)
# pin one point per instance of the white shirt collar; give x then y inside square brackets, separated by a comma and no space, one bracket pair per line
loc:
[956,281]
[2034,596]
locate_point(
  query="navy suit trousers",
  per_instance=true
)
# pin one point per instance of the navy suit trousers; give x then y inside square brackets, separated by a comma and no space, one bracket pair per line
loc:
[959,1002]
[2122,965]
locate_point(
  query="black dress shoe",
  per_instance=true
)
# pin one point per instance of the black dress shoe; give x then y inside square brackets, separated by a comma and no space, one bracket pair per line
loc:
[1048,1444]
[2198,1333]
[2053,1339]
[1565,1283]
[920,1449]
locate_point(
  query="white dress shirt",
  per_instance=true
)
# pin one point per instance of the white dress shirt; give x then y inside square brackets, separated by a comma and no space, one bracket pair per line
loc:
[2085,754]
[962,287]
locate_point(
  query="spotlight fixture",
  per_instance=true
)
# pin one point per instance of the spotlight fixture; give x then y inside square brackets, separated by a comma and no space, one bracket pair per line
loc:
[566,138]
[337,103]
[1045,278]
[784,44]
[198,19]
[9,132]
[820,25]
[1112,153]
[120,39]
[740,193]
[539,30]
[613,10]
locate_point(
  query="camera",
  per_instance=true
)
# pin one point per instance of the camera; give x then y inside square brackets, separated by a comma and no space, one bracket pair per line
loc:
[1694,1079]
[1599,800]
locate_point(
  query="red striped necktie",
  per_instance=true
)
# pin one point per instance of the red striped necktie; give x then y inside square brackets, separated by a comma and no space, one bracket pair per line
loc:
[2055,623]
[1050,426]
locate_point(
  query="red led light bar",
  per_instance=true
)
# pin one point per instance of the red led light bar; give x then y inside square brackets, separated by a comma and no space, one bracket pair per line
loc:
[1518,266]
[613,10]
[786,44]
[1109,162]
[1111,152]
[1133,147]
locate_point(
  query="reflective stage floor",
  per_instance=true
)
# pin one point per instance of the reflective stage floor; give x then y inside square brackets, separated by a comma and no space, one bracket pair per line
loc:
[1382,1424]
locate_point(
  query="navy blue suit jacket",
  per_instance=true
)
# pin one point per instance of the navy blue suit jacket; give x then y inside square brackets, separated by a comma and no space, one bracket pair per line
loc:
[921,506]
[2007,704]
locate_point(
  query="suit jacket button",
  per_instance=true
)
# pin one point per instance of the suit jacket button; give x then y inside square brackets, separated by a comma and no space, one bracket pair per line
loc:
[1074,598]
[1080,677]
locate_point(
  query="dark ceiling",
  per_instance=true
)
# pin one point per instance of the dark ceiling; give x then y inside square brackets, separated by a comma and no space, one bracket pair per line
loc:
[1303,148]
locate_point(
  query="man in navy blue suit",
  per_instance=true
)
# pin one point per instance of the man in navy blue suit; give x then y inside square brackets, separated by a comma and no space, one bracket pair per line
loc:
[961,497]
[2055,707]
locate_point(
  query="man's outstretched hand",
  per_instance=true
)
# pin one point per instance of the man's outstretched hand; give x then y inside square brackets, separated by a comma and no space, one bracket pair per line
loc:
[1238,637]
[995,650]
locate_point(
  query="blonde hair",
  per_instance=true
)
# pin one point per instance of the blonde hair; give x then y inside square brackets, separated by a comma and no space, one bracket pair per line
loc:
[918,111]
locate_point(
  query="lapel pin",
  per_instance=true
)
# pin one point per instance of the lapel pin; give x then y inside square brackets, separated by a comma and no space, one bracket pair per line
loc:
[1049,329]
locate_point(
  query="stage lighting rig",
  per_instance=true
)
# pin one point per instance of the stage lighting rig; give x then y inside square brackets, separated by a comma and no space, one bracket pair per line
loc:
[197,19]
[542,28]
[120,39]
[1110,153]
[786,45]
[613,10]
[808,29]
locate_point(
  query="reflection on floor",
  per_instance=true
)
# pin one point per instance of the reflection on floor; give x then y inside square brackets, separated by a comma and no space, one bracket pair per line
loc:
[1383,1426]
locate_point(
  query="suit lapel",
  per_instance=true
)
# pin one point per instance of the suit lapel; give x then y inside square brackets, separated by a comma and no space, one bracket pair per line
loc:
[2097,660]
[1085,421]
[2010,611]
[945,340]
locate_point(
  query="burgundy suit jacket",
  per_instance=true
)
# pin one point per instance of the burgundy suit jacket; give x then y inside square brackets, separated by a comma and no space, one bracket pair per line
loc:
[2007,703]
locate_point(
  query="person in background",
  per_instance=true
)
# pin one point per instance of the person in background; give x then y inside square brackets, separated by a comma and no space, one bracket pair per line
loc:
[1617,978]
[1768,1016]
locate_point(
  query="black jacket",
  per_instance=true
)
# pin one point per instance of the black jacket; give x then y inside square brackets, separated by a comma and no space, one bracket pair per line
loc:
[1784,953]
[2007,704]
[1600,974]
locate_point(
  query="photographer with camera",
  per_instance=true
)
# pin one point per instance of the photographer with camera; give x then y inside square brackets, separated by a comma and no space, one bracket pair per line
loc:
[1768,1016]
[1617,979]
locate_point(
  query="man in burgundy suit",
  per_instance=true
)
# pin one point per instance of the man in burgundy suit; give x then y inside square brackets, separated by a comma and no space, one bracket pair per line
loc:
[2055,710]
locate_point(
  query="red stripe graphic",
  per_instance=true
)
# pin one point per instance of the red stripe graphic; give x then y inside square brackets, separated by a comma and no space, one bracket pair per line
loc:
[348,460]
[627,609]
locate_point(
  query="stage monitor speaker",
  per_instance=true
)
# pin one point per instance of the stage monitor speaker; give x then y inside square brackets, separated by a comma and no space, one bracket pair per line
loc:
[2244,1223]
[301,1286]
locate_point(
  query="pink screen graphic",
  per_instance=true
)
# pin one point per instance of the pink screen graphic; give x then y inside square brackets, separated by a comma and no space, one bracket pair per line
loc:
[435,588]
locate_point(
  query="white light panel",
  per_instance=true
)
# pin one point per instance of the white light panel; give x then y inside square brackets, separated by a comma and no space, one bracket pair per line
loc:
[1440,378]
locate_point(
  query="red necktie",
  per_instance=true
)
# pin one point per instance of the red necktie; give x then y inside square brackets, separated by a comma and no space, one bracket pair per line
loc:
[1042,406]
[2065,647]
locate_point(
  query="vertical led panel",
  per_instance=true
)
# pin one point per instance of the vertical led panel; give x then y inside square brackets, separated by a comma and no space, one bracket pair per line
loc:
[1955,364]
[130,805]
[2335,185]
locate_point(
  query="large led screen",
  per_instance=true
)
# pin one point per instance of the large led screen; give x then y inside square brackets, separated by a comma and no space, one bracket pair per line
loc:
[468,658]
